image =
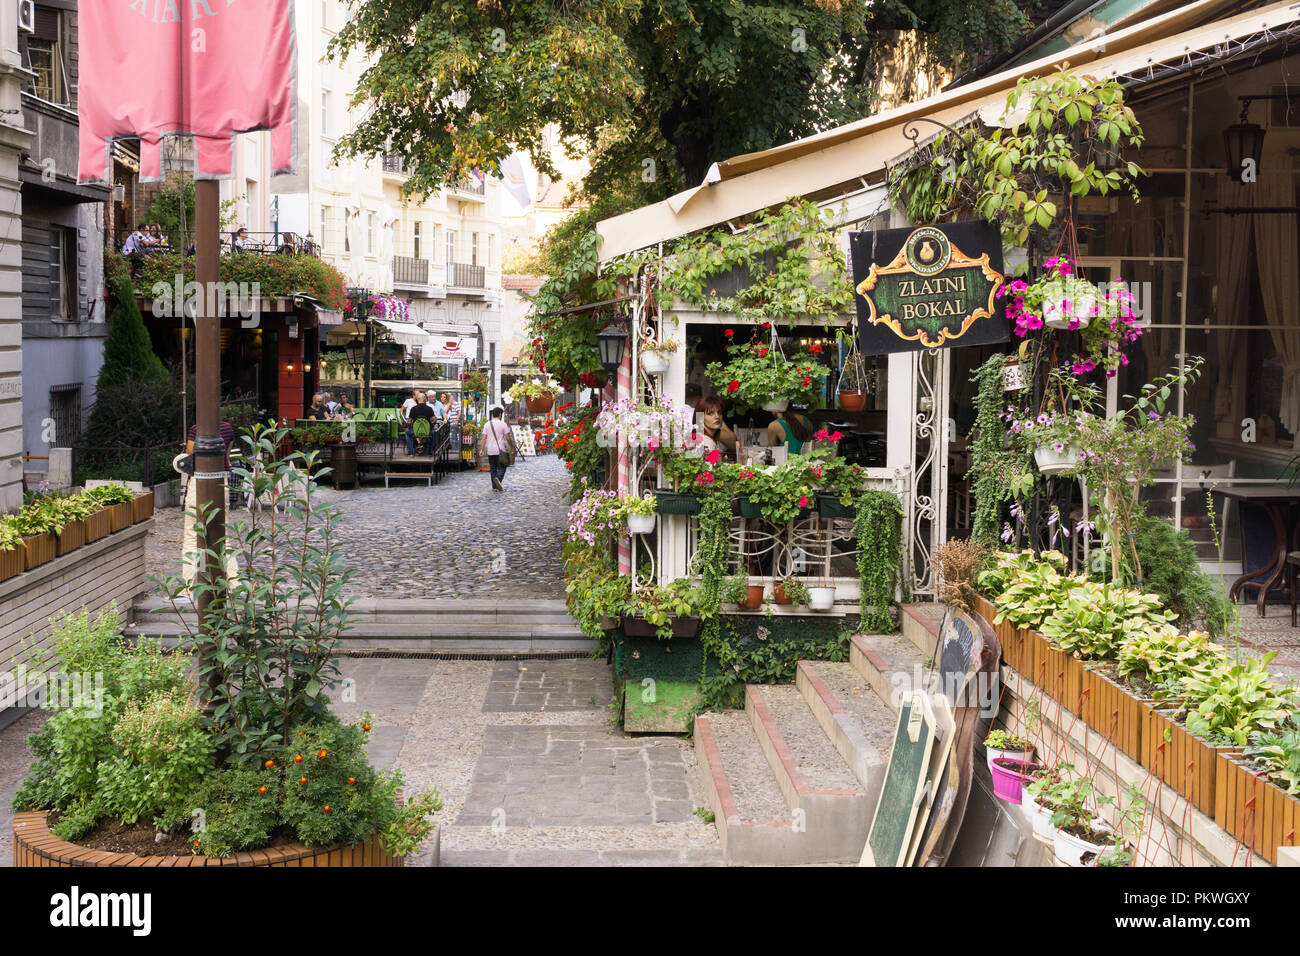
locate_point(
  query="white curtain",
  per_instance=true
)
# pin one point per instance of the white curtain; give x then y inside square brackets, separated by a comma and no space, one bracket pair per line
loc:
[1233,232]
[1278,256]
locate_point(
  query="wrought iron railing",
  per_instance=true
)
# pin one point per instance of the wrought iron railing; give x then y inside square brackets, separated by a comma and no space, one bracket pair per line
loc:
[410,271]
[462,275]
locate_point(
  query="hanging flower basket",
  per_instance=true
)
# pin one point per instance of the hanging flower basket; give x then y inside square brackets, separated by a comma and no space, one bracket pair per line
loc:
[821,599]
[853,401]
[1050,461]
[540,405]
[652,363]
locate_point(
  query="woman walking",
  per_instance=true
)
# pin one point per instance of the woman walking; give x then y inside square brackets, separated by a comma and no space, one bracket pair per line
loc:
[499,446]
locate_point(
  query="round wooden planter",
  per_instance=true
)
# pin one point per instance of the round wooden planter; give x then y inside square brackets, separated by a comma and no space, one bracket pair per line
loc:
[539,406]
[35,845]
[343,464]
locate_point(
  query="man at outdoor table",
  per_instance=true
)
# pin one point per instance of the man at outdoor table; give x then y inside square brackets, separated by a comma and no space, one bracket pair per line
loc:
[419,410]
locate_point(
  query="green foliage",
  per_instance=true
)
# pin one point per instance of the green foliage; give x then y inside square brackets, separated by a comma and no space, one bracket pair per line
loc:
[266,658]
[1170,569]
[128,354]
[1229,700]
[1091,621]
[1278,751]
[661,605]
[1001,740]
[997,474]
[166,208]
[1009,174]
[754,375]
[761,660]
[235,815]
[276,275]
[878,530]
[796,591]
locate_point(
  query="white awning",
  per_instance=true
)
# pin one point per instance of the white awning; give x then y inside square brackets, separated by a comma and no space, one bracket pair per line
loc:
[412,336]
[817,166]
[327,318]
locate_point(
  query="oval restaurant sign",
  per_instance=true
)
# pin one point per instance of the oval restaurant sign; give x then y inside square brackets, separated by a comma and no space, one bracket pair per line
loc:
[928,287]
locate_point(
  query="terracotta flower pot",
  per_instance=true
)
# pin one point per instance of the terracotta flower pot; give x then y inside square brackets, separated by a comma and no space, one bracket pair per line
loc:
[542,405]
[753,598]
[853,401]
[778,594]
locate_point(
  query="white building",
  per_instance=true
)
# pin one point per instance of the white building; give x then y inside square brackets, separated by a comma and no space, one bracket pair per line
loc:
[442,255]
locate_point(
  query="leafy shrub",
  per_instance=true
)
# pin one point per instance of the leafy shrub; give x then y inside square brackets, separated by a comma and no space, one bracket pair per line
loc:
[1230,700]
[235,814]
[1170,569]
[1093,620]
[164,752]
[276,275]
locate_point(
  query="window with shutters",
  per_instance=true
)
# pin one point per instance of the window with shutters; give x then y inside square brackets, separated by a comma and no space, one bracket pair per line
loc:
[45,57]
[63,273]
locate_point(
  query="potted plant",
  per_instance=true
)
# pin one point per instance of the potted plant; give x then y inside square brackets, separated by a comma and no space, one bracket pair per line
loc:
[640,513]
[1052,436]
[538,395]
[663,612]
[656,355]
[737,590]
[759,376]
[11,550]
[854,384]
[1009,777]
[1036,801]
[791,591]
[1079,832]
[117,499]
[1000,743]
[821,598]
[475,382]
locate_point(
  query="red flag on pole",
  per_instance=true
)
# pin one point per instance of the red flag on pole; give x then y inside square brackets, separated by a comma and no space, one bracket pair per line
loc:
[212,68]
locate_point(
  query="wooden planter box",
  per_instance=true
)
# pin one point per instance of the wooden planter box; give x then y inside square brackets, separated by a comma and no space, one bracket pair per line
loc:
[142,507]
[1010,637]
[34,845]
[1256,811]
[121,515]
[11,562]
[1181,759]
[38,548]
[72,536]
[1112,711]
[1058,674]
[99,525]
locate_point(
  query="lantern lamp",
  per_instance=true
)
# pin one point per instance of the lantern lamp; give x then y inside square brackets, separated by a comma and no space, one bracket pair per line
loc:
[1243,143]
[612,341]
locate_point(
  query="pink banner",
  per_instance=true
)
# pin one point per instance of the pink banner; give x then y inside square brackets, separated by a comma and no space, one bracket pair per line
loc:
[214,68]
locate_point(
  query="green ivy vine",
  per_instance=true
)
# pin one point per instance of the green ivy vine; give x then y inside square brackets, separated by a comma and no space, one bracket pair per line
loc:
[996,474]
[878,528]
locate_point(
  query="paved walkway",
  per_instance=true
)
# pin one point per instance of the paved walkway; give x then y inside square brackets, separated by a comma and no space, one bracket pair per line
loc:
[523,753]
[458,539]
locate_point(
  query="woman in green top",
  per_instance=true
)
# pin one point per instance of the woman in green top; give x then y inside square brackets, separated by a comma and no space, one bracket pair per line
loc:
[791,429]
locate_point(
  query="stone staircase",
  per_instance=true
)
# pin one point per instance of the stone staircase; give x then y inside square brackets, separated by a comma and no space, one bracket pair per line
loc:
[417,626]
[794,778]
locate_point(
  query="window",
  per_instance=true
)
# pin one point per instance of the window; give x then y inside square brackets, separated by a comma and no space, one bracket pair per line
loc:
[451,246]
[415,240]
[433,242]
[325,113]
[491,251]
[45,56]
[473,248]
[370,233]
[325,14]
[324,228]
[65,411]
[63,273]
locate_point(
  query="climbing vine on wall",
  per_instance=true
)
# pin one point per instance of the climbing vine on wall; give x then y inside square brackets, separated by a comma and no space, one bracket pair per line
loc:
[878,528]
[997,474]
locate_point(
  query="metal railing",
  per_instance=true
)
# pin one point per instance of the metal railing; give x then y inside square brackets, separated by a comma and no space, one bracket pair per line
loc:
[462,275]
[471,185]
[261,243]
[395,164]
[410,271]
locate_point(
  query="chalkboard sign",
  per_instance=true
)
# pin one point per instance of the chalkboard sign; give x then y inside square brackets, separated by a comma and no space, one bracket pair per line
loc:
[936,785]
[905,782]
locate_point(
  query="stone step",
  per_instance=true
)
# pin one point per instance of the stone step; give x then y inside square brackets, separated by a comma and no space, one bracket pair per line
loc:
[170,636]
[372,606]
[921,623]
[828,801]
[754,824]
[890,664]
[857,721]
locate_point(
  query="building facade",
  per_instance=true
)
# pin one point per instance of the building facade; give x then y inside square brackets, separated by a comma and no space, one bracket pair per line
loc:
[63,321]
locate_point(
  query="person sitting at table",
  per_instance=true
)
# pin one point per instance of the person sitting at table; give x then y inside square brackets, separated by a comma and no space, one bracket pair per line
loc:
[790,428]
[288,246]
[239,240]
[420,409]
[408,405]
[346,410]
[440,407]
[717,434]
[318,411]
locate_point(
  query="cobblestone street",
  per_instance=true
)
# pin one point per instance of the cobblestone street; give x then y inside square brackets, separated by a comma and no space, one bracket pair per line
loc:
[458,539]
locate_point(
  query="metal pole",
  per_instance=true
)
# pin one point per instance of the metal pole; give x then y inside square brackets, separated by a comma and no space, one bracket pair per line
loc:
[209,449]
[370,348]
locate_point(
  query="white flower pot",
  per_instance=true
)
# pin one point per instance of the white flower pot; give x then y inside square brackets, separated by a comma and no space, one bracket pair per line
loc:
[1052,462]
[821,599]
[777,406]
[1056,316]
[1040,819]
[993,753]
[652,363]
[1069,849]
[641,524]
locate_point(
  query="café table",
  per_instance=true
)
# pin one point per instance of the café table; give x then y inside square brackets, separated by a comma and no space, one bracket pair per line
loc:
[1278,502]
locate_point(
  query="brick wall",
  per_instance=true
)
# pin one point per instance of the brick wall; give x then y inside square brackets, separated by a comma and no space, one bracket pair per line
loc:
[110,569]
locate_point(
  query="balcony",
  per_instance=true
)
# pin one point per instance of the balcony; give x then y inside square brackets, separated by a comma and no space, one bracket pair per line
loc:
[471,188]
[410,273]
[394,166]
[462,275]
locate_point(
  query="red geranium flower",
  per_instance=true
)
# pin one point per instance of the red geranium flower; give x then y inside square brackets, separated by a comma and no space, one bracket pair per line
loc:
[729,333]
[803,501]
[761,352]
[733,386]
[815,349]
[713,457]
[807,382]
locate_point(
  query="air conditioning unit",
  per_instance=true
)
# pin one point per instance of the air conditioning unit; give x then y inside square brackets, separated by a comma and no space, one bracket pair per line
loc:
[27,15]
